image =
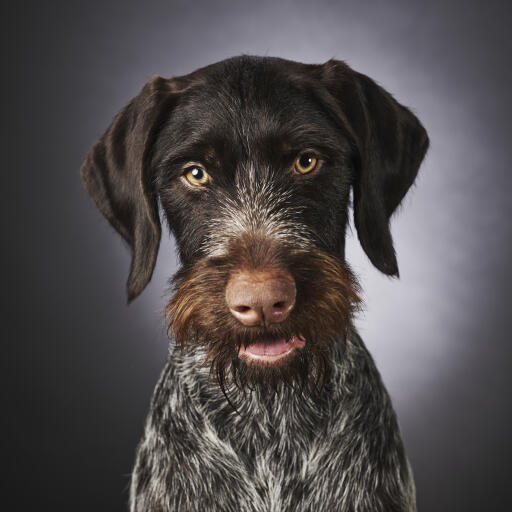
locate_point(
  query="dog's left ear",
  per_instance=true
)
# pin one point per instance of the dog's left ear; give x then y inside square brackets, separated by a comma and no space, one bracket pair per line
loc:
[391,143]
[117,175]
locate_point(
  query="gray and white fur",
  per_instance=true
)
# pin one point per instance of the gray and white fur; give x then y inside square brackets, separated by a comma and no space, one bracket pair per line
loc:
[280,453]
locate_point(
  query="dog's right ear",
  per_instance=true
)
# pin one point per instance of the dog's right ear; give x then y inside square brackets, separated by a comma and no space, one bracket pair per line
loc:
[391,143]
[117,175]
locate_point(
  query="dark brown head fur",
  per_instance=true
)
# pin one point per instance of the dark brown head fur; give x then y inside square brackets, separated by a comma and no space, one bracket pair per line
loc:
[245,121]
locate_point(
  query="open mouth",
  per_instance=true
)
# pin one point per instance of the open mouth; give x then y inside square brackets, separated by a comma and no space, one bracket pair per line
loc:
[271,351]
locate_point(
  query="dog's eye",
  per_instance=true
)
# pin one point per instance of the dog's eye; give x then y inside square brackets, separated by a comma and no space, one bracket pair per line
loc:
[197,176]
[306,163]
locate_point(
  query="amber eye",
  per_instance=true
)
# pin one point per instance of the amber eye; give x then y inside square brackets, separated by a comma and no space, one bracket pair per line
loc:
[305,163]
[197,176]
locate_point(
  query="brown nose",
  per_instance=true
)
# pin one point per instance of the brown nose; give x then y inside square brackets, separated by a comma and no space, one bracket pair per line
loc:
[261,298]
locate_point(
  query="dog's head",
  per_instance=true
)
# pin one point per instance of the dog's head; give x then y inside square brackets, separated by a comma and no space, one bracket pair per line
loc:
[252,160]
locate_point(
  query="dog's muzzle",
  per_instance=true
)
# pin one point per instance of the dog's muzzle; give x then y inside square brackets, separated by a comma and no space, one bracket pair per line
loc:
[263,299]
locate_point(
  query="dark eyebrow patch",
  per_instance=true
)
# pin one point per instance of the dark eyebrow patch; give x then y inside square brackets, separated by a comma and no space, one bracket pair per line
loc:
[191,150]
[288,141]
[211,156]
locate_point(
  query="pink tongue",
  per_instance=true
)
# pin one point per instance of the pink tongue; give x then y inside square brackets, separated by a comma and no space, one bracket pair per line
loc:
[272,347]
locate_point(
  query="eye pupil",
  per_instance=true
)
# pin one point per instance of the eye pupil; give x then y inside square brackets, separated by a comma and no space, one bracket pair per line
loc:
[197,173]
[305,161]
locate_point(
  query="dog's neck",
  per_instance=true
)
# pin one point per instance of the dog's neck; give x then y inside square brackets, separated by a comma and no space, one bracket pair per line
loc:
[256,411]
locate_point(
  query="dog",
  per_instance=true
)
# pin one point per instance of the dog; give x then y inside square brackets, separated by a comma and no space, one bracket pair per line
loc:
[269,400]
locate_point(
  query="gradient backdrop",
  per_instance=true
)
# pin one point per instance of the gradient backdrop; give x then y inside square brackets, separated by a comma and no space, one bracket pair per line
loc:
[79,366]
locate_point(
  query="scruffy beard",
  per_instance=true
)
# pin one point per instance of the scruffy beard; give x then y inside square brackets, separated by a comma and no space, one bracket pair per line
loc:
[305,369]
[327,296]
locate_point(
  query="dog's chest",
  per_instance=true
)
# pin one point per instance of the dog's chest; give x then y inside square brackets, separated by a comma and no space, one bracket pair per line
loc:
[271,434]
[276,440]
[285,452]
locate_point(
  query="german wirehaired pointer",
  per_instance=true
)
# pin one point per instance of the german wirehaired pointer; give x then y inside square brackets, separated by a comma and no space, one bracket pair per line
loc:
[270,400]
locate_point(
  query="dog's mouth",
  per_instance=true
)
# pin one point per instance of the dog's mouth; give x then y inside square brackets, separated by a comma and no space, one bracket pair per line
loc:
[271,351]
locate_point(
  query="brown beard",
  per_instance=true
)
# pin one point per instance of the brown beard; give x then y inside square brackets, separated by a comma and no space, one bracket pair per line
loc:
[327,296]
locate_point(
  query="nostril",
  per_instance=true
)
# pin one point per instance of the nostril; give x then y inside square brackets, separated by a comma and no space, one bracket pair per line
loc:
[247,315]
[241,309]
[279,305]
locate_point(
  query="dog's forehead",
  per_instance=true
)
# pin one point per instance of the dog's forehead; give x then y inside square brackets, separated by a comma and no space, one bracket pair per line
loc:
[253,79]
[242,105]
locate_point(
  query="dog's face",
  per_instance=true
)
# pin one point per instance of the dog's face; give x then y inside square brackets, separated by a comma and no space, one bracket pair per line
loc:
[253,160]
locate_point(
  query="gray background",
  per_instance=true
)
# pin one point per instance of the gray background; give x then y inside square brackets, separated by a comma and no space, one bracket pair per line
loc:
[78,366]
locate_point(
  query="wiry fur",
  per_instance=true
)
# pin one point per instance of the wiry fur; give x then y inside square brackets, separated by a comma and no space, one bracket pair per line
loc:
[326,298]
[259,208]
[317,433]
[283,452]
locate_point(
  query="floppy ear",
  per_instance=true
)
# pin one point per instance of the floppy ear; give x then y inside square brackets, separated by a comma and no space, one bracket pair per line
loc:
[391,143]
[117,176]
